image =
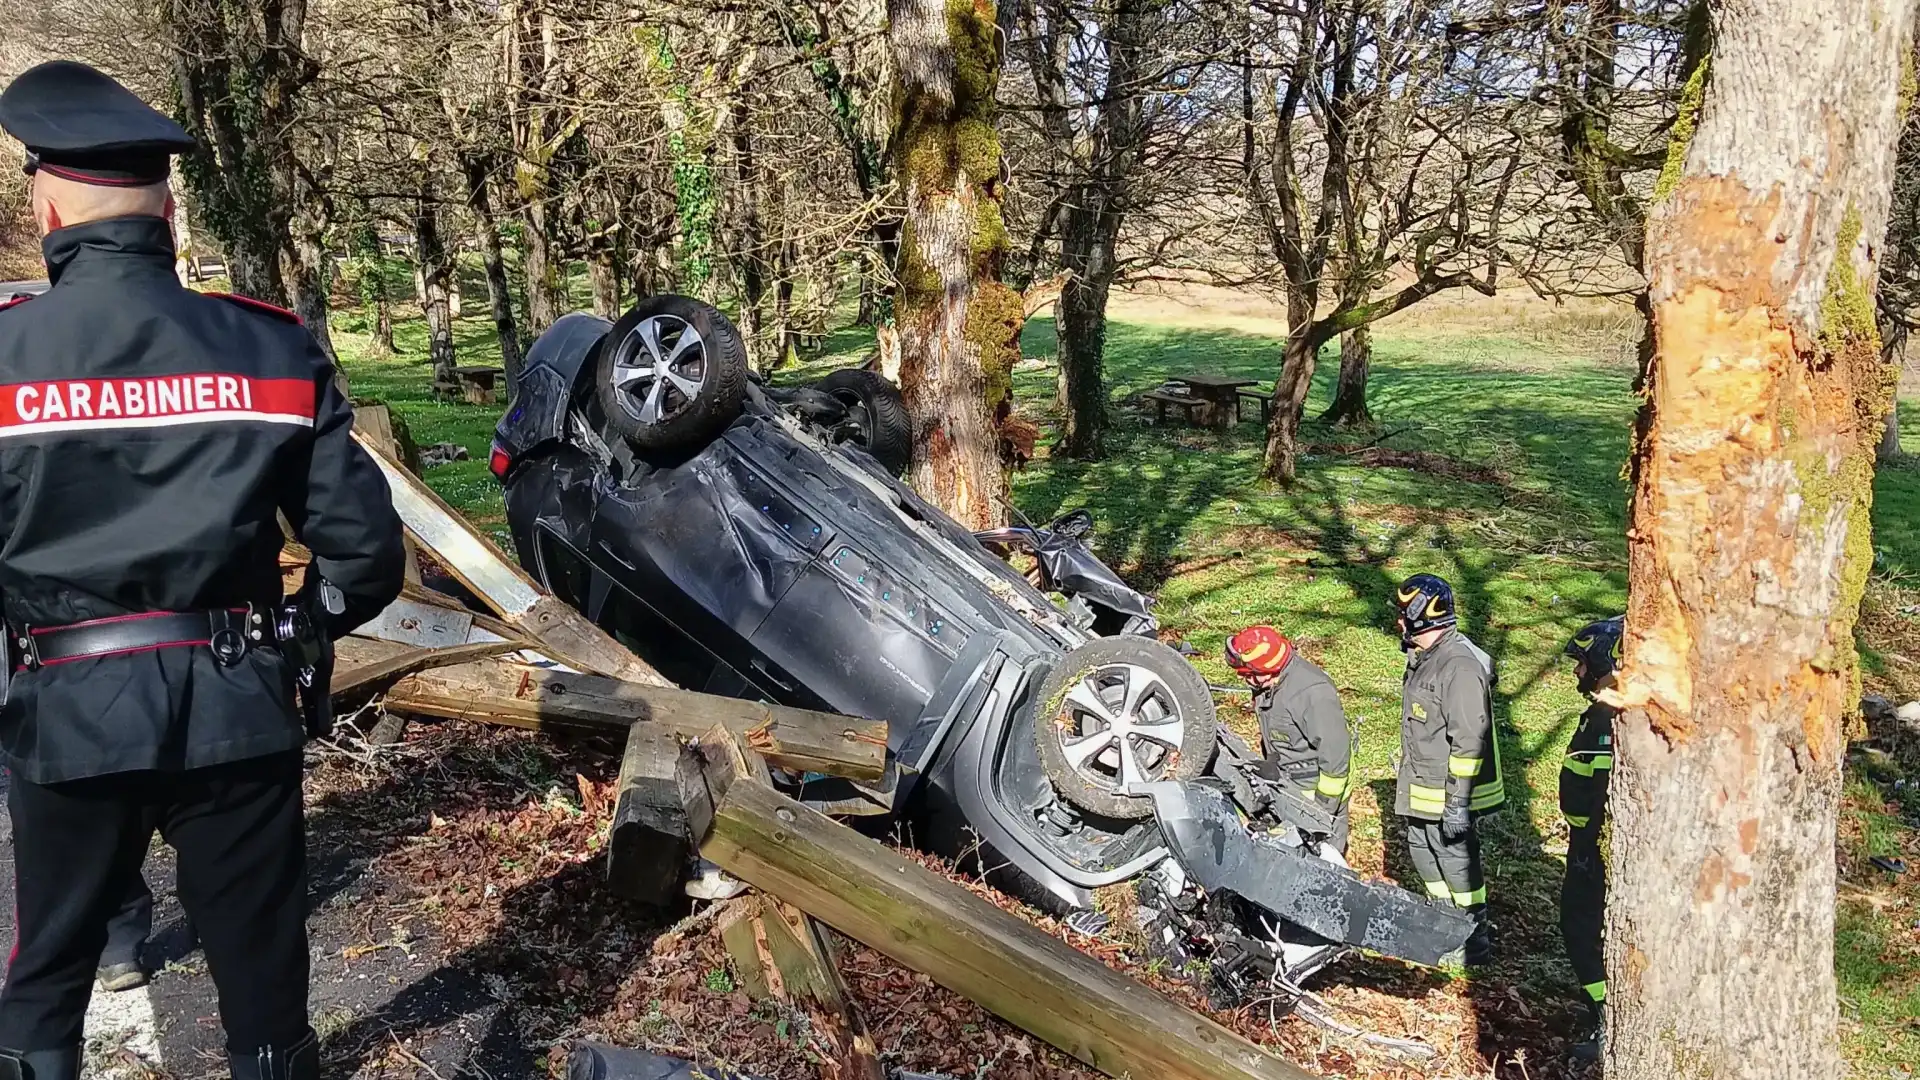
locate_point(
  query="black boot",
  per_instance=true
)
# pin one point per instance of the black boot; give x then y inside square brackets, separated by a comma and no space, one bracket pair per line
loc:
[300,1061]
[41,1064]
[1479,950]
[1593,1041]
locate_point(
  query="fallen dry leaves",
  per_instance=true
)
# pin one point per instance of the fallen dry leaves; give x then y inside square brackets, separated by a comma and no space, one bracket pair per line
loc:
[488,842]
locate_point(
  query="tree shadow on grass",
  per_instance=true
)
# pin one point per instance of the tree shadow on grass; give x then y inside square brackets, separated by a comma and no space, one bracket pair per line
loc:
[1560,437]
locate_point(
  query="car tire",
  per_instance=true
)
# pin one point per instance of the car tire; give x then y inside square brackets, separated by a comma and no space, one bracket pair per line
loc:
[1169,730]
[661,390]
[880,412]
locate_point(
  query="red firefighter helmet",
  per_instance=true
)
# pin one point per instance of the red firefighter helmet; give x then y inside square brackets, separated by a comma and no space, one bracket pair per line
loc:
[1258,650]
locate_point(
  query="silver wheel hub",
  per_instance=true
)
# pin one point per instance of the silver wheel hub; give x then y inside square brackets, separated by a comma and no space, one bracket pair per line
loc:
[660,369]
[1119,727]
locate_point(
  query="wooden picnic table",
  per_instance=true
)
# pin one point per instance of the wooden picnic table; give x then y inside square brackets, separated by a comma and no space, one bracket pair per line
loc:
[1219,396]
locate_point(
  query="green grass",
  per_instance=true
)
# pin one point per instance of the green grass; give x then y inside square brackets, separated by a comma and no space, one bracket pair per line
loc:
[1535,552]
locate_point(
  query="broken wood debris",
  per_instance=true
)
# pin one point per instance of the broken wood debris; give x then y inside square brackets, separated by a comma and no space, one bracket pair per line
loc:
[564,634]
[862,889]
[503,691]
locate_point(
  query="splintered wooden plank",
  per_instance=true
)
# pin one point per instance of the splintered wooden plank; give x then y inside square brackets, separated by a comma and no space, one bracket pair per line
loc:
[365,675]
[499,691]
[928,923]
[481,566]
[462,549]
[780,953]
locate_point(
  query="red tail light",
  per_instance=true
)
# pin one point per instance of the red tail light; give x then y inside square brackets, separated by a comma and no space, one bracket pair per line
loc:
[498,462]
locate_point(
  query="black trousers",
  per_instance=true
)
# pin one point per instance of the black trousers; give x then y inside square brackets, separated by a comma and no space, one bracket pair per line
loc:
[1583,912]
[130,925]
[240,835]
[1450,869]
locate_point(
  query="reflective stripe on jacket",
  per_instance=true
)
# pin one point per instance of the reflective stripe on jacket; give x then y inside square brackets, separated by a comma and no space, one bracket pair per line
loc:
[1586,768]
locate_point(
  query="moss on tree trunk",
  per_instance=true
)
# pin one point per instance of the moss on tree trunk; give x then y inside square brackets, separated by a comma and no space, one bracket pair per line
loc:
[959,324]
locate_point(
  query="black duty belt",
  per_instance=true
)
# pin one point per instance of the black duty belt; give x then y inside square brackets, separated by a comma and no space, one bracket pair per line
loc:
[229,632]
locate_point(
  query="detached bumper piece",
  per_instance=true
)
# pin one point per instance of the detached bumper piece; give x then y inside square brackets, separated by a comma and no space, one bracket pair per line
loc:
[1218,854]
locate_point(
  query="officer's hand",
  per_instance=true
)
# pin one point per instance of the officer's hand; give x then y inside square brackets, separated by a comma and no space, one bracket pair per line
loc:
[1329,803]
[1456,823]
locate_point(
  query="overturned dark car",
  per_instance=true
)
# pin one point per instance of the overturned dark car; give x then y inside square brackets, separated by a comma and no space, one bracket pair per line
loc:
[755,541]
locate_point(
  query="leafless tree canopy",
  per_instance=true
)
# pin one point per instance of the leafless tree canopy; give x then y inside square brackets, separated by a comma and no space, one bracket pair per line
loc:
[1347,157]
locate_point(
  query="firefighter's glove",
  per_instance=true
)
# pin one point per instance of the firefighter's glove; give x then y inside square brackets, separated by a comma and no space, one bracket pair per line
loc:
[1329,803]
[1456,822]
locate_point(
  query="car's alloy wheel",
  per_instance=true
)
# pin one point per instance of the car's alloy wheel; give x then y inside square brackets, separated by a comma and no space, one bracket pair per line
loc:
[1128,727]
[672,373]
[659,369]
[1117,713]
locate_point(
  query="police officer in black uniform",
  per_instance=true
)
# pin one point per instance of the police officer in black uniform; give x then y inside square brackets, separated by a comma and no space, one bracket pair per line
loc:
[1584,772]
[148,437]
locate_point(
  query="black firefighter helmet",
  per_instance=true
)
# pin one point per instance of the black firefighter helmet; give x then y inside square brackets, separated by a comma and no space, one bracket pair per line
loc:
[1424,602]
[1597,648]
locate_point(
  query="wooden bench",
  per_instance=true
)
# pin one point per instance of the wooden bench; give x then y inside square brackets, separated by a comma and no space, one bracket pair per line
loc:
[477,384]
[1264,400]
[1163,398]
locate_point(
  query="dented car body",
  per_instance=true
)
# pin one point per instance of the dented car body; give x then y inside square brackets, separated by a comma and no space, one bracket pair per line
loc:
[764,563]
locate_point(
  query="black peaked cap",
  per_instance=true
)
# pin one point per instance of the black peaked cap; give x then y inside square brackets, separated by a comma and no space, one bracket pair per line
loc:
[79,124]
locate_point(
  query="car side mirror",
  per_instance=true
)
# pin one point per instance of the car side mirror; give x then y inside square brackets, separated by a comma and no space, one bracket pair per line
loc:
[1073,525]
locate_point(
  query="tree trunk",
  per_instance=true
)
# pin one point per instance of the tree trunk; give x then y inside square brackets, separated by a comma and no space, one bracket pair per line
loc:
[869,312]
[1893,352]
[310,270]
[1290,391]
[499,288]
[430,281]
[959,326]
[1350,396]
[1081,329]
[1750,549]
[603,273]
[382,325]
[242,170]
[751,183]
[541,262]
[186,262]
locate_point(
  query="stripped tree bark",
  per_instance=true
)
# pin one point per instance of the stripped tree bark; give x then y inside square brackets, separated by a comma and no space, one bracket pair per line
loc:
[959,325]
[1750,548]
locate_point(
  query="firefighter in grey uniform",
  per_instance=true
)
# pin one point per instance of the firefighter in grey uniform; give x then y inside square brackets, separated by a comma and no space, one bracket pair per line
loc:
[1303,729]
[1450,771]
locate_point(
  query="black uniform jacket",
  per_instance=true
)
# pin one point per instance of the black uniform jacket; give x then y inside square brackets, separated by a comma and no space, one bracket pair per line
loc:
[1305,730]
[1585,770]
[148,435]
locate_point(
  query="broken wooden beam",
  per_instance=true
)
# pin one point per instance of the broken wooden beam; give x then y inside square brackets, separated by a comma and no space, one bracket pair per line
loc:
[649,844]
[781,954]
[501,691]
[480,565]
[934,926]
[373,675]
